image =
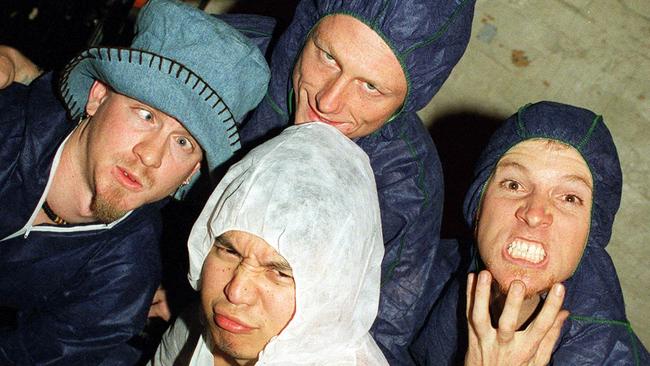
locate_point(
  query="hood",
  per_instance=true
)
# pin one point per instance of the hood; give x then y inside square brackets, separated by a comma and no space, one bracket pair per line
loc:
[580,128]
[310,194]
[428,37]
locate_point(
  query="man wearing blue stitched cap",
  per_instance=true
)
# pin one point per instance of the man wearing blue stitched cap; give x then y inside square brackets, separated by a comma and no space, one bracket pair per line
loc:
[80,182]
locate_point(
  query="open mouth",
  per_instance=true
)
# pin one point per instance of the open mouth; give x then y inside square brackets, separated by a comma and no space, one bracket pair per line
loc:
[527,251]
[127,179]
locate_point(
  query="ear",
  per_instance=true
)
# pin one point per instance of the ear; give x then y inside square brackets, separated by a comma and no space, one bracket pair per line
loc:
[194,171]
[97,95]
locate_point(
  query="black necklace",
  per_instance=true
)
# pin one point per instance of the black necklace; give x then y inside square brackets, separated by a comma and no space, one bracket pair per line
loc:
[52,216]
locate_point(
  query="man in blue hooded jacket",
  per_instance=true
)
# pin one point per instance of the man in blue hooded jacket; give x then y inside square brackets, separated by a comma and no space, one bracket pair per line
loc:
[366,67]
[542,204]
[81,182]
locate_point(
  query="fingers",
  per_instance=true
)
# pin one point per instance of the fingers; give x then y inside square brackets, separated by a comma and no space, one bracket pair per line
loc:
[469,293]
[510,314]
[480,316]
[547,316]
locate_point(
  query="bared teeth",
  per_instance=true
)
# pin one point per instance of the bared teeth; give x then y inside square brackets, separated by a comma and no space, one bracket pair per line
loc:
[530,252]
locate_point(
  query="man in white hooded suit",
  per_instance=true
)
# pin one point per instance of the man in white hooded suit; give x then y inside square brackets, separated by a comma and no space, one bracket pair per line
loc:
[286,254]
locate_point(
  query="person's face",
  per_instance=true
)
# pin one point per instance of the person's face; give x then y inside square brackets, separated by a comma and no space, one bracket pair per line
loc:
[247,295]
[535,215]
[348,77]
[135,154]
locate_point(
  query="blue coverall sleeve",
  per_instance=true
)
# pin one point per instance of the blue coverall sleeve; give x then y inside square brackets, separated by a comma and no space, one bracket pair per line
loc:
[592,341]
[410,187]
[90,319]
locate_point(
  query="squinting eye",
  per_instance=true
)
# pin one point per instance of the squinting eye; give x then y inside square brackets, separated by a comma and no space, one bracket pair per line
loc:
[281,276]
[328,56]
[145,115]
[226,251]
[370,87]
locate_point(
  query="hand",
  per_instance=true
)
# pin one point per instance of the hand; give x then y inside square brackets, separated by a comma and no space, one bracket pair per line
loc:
[159,307]
[15,67]
[505,345]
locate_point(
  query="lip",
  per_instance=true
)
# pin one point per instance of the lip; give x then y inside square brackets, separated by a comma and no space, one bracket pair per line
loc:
[231,324]
[130,182]
[521,262]
[314,116]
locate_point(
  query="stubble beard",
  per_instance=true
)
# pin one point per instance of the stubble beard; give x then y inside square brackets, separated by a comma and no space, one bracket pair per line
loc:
[521,274]
[221,347]
[105,205]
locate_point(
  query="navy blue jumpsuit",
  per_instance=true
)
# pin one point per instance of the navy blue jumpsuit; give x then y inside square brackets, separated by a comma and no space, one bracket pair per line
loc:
[80,292]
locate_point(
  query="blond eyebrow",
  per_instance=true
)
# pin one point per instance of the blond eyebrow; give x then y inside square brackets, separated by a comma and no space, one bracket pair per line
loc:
[568,177]
[579,178]
[511,164]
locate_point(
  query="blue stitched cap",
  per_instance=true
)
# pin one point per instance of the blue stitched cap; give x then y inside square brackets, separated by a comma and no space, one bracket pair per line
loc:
[185,63]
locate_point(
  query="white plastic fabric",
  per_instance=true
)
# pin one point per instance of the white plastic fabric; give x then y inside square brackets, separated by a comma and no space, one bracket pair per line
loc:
[309,193]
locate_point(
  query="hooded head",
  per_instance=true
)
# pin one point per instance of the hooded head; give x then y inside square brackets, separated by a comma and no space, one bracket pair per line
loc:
[425,39]
[584,138]
[310,195]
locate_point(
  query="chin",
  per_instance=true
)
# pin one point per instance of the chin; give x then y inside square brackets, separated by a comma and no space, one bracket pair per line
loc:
[535,284]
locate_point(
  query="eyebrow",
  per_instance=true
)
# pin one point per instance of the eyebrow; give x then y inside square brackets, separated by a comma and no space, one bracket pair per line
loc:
[568,177]
[381,85]
[279,265]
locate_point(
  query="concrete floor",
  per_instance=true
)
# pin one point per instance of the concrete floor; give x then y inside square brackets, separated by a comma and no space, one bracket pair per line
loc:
[590,53]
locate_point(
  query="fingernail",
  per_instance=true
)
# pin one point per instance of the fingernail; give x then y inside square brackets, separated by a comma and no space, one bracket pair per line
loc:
[483,277]
[558,290]
[517,287]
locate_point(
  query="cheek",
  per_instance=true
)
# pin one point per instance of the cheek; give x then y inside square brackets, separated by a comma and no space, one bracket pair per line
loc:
[281,305]
[214,278]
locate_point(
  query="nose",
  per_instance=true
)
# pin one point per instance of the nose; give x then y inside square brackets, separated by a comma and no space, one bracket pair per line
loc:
[535,211]
[241,289]
[150,151]
[331,98]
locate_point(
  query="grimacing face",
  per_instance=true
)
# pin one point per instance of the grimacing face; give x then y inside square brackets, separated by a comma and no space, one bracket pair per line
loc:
[135,154]
[247,295]
[535,215]
[348,77]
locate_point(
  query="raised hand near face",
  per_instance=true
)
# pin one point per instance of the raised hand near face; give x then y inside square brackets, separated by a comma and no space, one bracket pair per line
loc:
[505,345]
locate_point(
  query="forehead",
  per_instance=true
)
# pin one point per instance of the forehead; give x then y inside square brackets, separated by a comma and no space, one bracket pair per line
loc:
[250,245]
[546,158]
[352,42]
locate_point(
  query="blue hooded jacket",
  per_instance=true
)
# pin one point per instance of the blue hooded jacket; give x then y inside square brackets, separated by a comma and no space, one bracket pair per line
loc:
[79,292]
[428,37]
[597,331]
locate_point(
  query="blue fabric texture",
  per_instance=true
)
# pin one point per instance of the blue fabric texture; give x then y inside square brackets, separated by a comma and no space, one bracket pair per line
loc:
[80,294]
[428,37]
[208,76]
[597,331]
